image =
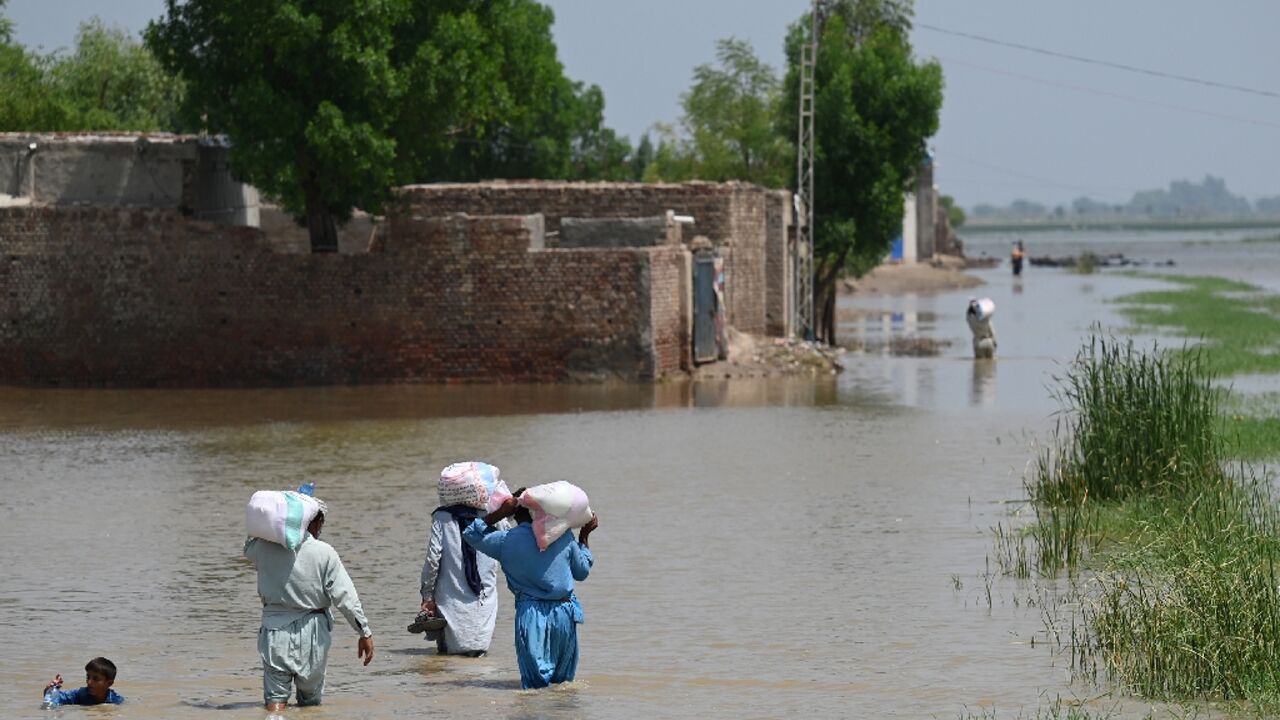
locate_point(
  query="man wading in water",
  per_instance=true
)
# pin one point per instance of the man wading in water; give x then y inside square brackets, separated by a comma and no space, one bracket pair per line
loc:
[547,611]
[297,588]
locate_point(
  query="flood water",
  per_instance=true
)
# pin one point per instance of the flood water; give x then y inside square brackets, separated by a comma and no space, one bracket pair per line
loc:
[766,548]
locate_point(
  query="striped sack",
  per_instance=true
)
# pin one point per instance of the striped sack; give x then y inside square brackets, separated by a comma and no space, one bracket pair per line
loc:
[473,484]
[281,516]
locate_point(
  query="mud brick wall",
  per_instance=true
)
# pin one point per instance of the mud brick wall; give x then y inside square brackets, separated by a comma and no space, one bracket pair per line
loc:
[113,297]
[671,307]
[779,266]
[731,215]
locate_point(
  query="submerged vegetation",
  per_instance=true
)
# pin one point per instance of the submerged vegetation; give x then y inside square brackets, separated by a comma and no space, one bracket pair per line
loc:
[1172,551]
[1057,710]
[1236,321]
[1237,327]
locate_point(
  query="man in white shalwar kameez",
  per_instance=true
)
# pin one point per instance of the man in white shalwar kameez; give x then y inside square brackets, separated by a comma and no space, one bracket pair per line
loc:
[978,315]
[298,588]
[468,601]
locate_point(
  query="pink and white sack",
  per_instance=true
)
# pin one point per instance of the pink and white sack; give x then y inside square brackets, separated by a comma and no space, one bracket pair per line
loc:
[281,517]
[556,507]
[473,484]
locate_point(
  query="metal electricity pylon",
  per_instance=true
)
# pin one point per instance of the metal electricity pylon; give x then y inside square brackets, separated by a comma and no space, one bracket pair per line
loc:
[802,305]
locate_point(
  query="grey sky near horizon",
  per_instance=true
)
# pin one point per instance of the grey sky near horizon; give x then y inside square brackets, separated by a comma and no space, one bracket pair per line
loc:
[1015,124]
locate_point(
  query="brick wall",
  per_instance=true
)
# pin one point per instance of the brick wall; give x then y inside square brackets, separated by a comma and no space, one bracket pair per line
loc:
[671,306]
[779,265]
[731,215]
[101,296]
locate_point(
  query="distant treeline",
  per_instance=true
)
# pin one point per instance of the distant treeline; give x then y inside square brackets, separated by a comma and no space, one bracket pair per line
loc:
[1183,203]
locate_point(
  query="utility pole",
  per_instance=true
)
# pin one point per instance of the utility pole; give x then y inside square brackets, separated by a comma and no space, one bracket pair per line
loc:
[802,253]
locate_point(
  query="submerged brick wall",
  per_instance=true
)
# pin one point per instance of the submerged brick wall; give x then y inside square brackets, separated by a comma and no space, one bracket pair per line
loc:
[98,296]
[731,215]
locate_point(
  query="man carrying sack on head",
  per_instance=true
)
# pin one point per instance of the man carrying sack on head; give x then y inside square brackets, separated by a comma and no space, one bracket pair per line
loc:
[541,561]
[299,579]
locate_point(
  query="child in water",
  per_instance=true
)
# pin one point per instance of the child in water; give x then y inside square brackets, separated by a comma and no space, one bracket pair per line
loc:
[99,675]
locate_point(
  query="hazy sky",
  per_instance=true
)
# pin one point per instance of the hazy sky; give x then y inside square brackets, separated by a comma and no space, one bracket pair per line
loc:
[1014,123]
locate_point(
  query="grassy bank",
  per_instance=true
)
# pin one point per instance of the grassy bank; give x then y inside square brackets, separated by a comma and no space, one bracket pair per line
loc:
[1237,323]
[1173,550]
[1237,327]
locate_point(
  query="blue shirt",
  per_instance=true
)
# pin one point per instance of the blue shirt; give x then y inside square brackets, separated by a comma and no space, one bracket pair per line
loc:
[80,696]
[532,573]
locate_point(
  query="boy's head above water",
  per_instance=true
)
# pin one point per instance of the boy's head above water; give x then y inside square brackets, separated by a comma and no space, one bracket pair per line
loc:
[99,674]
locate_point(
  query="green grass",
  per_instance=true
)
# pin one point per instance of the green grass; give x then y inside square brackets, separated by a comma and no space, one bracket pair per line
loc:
[1056,710]
[1133,424]
[1235,322]
[1237,328]
[1250,424]
[1174,554]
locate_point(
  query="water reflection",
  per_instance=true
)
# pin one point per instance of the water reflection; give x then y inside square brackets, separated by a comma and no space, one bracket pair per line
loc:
[186,409]
[982,391]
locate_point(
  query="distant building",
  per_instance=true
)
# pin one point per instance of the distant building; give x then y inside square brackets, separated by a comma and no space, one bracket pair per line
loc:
[181,172]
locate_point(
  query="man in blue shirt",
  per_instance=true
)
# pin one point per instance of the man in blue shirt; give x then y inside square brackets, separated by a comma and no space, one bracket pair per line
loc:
[547,611]
[99,674]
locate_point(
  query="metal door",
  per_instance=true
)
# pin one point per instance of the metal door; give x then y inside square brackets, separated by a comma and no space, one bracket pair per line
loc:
[705,307]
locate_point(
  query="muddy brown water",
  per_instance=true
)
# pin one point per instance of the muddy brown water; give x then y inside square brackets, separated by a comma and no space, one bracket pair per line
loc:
[767,548]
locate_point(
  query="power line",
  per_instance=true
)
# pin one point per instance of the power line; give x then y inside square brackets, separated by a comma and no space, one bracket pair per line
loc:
[1103,63]
[1106,93]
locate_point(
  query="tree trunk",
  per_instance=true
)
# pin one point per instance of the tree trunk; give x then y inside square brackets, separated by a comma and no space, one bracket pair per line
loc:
[824,299]
[321,226]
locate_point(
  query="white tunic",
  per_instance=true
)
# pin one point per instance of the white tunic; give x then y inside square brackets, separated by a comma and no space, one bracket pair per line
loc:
[471,619]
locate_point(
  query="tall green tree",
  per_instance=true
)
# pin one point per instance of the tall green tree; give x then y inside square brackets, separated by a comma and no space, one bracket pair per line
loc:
[875,106]
[331,103]
[489,98]
[307,91]
[641,158]
[109,81]
[730,116]
[113,82]
[674,160]
[25,100]
[6,25]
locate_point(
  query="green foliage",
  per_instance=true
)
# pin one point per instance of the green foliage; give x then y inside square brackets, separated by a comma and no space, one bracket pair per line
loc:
[1251,425]
[1183,602]
[729,116]
[487,98]
[955,213]
[307,92]
[1056,710]
[1133,424]
[114,83]
[6,26]
[1235,322]
[595,152]
[641,158]
[25,100]
[110,82]
[674,160]
[331,103]
[875,108]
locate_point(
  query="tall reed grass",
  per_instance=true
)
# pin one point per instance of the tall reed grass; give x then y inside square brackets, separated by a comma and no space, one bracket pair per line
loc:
[1133,423]
[1182,598]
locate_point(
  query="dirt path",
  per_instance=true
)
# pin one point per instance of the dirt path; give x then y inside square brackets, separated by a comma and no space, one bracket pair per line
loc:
[945,273]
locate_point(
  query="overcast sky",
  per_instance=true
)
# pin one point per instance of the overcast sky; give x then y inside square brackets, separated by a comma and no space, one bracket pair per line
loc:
[1014,124]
